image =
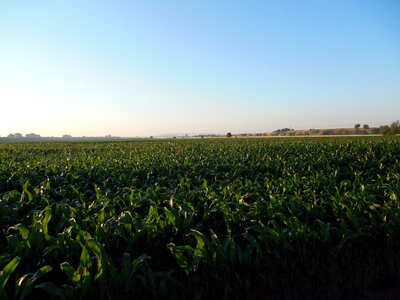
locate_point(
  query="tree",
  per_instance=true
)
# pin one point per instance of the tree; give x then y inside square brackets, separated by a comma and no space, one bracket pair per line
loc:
[375,130]
[395,128]
[357,126]
[384,130]
[390,130]
[366,126]
[229,135]
[33,136]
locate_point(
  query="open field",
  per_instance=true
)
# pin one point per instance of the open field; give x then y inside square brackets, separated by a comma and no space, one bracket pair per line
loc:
[201,218]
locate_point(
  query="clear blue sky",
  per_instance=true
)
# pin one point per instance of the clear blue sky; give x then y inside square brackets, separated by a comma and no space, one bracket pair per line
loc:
[131,68]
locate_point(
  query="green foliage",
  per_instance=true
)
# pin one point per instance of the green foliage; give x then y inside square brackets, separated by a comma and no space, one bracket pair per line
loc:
[393,129]
[218,218]
[5,275]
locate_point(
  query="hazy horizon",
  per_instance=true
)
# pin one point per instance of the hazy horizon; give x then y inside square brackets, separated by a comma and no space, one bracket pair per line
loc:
[93,68]
[189,134]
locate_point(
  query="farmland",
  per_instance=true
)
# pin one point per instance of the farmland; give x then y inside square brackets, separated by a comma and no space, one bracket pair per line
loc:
[221,218]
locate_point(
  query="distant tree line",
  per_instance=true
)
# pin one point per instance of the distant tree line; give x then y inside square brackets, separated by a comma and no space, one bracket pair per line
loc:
[357,126]
[37,137]
[284,131]
[20,136]
[393,129]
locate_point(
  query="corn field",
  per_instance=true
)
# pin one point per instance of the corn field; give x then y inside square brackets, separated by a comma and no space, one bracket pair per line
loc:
[296,218]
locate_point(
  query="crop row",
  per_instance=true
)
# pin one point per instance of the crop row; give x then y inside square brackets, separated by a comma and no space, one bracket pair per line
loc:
[224,218]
